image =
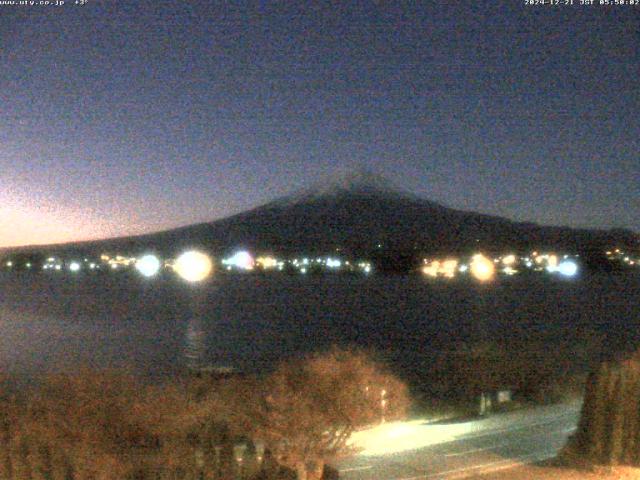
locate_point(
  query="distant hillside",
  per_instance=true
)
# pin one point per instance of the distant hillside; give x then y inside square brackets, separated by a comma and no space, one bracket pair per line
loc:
[361,216]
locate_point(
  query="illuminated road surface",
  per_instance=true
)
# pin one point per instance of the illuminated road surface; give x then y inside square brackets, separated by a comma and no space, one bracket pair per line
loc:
[415,450]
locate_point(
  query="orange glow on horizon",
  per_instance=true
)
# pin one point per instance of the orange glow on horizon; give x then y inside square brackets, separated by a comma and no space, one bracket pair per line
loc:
[24,223]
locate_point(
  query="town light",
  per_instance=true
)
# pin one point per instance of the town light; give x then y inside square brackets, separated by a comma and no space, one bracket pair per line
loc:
[482,268]
[148,265]
[267,262]
[193,266]
[448,268]
[431,269]
[74,267]
[333,263]
[242,260]
[567,268]
[509,260]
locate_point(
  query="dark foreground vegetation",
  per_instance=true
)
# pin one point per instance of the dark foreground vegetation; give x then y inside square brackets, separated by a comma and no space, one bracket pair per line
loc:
[609,429]
[113,426]
[288,423]
[532,372]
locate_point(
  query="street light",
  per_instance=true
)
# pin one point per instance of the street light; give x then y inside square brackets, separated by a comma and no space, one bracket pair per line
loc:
[482,268]
[148,265]
[383,403]
[193,266]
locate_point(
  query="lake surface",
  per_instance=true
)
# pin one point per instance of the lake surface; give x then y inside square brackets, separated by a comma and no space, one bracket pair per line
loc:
[159,326]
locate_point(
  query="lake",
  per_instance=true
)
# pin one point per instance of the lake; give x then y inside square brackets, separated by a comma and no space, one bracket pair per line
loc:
[53,322]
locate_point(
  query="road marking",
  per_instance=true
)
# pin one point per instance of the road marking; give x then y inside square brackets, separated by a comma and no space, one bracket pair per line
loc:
[504,444]
[463,472]
[499,465]
[489,467]
[497,431]
[355,469]
[485,468]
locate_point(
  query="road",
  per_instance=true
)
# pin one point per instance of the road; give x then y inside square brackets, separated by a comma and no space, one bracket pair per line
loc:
[419,450]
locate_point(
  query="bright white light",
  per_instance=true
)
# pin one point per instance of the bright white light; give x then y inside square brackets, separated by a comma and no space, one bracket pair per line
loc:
[58,267]
[193,266]
[396,437]
[567,268]
[242,260]
[333,263]
[463,268]
[148,265]
[74,267]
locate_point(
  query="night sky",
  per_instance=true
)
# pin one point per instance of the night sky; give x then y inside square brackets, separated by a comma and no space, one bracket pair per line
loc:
[123,117]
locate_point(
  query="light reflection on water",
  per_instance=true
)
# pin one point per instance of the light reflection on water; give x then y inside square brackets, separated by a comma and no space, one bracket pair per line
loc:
[194,348]
[161,326]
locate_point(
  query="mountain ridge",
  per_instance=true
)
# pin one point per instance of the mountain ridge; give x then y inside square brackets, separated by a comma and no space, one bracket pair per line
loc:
[361,214]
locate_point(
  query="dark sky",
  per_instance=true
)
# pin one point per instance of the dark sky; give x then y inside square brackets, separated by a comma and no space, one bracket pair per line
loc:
[125,116]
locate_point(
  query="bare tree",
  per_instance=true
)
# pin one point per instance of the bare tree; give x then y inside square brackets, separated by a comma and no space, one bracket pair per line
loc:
[308,409]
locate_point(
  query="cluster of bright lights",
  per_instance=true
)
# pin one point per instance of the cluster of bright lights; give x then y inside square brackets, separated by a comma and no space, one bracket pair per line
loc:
[566,268]
[624,258]
[484,269]
[447,268]
[192,266]
[74,266]
[333,263]
[188,266]
[119,261]
[241,260]
[267,263]
[480,267]
[325,264]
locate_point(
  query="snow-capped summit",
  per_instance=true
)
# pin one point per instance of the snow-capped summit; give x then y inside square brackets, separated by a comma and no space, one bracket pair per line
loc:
[356,182]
